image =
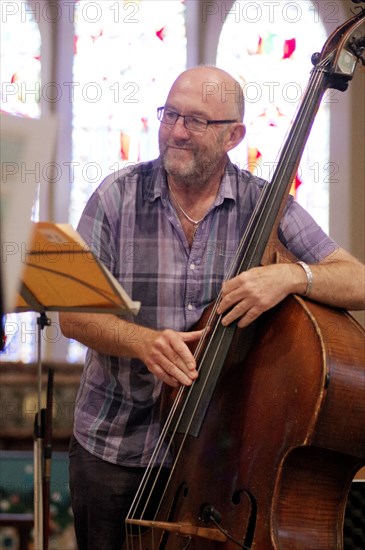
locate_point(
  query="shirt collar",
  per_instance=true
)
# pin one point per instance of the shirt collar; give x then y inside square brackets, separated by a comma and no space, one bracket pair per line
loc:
[228,188]
[156,184]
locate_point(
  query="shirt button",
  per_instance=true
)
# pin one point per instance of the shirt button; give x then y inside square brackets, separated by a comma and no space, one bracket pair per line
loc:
[192,266]
[190,307]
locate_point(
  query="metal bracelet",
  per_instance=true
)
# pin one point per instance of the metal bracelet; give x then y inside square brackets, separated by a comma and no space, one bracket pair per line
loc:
[309,275]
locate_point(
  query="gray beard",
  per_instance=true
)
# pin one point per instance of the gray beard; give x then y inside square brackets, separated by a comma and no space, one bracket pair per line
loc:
[191,175]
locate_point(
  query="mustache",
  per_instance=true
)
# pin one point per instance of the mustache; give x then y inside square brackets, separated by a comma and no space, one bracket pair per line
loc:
[180,145]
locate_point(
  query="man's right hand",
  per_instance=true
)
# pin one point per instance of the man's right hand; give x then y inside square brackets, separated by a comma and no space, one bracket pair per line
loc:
[167,356]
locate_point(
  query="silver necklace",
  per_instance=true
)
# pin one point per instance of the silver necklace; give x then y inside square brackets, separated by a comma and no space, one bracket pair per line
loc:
[194,222]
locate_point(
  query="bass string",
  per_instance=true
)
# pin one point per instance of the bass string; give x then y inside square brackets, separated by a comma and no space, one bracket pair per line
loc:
[163,437]
[270,193]
[140,494]
[162,442]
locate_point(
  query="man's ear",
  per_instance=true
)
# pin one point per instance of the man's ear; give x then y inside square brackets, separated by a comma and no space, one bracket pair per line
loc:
[235,135]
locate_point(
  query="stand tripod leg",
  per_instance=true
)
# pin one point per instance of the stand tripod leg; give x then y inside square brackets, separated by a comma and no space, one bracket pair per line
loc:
[38,496]
[42,321]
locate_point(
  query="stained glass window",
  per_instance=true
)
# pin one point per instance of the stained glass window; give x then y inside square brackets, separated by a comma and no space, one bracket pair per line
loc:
[20,60]
[20,96]
[126,55]
[266,47]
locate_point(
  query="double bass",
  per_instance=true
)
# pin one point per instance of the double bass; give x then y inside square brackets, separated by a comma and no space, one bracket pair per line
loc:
[259,453]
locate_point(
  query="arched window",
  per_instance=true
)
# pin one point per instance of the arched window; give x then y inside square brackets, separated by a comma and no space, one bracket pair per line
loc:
[20,96]
[266,47]
[126,55]
[20,60]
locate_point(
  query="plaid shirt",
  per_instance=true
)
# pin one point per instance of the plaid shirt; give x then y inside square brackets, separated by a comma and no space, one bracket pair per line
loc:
[131,225]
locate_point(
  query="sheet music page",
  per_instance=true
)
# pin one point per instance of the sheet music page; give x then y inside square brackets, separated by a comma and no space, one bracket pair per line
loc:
[63,274]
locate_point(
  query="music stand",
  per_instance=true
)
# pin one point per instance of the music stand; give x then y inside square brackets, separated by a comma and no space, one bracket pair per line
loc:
[61,273]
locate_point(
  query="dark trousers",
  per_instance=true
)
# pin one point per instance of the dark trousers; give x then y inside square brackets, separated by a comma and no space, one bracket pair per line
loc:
[101,495]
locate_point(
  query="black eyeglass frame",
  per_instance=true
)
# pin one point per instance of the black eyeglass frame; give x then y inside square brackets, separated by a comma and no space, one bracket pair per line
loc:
[160,111]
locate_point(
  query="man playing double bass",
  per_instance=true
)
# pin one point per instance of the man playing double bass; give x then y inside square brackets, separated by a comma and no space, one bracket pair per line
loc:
[167,230]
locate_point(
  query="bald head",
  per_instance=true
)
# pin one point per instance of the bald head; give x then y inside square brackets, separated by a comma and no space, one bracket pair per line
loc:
[215,88]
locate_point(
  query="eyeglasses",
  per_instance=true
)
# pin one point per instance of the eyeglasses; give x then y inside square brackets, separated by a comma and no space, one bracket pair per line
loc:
[191,122]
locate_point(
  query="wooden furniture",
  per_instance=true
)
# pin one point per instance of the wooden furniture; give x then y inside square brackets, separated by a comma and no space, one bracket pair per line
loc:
[18,398]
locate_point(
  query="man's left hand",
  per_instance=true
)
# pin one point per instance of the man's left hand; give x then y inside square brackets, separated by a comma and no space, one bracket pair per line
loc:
[252,292]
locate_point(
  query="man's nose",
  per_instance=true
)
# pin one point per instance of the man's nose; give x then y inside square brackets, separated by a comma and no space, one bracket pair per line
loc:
[179,128]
